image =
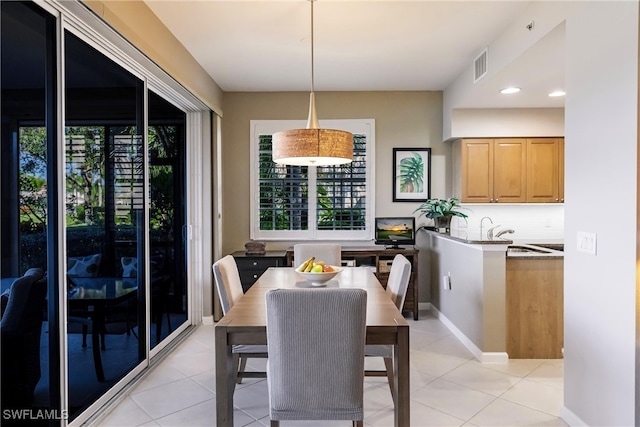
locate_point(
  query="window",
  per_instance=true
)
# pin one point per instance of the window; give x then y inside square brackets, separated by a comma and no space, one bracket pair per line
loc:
[323,203]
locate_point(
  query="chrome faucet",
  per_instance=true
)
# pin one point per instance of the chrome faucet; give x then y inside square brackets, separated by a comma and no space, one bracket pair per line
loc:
[482,221]
[490,232]
[505,231]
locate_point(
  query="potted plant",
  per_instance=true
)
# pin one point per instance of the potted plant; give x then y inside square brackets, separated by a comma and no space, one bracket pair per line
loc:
[441,211]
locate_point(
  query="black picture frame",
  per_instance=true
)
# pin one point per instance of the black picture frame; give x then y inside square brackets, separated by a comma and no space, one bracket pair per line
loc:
[411,174]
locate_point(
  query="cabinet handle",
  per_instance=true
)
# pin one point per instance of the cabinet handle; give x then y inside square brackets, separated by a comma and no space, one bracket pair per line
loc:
[255,276]
[496,200]
[255,263]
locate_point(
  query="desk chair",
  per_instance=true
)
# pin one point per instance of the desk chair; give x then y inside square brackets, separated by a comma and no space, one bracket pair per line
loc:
[328,252]
[397,285]
[227,278]
[316,342]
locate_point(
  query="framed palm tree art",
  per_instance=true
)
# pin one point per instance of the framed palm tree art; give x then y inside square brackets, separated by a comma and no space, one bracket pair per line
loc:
[411,174]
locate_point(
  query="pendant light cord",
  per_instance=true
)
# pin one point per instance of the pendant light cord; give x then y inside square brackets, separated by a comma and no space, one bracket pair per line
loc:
[312,67]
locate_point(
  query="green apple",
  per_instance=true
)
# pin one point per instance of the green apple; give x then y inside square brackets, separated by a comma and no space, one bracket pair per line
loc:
[316,269]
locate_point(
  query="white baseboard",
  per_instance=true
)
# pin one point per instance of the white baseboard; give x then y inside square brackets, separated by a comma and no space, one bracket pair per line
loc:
[570,418]
[482,357]
[207,320]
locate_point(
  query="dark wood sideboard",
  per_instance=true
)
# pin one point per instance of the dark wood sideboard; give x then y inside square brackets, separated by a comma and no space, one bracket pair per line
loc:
[380,259]
[251,266]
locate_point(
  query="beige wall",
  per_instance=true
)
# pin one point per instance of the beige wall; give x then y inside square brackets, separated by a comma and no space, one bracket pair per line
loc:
[402,119]
[141,27]
[506,122]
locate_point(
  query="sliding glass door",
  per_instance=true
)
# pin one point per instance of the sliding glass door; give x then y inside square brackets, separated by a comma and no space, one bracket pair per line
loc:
[105,222]
[29,342]
[167,217]
[96,202]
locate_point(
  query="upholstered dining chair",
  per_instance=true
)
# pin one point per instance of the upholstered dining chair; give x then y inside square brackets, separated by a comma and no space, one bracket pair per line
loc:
[397,285]
[330,253]
[316,341]
[21,330]
[227,278]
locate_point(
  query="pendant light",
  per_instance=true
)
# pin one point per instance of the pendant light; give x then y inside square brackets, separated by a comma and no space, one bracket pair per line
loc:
[312,146]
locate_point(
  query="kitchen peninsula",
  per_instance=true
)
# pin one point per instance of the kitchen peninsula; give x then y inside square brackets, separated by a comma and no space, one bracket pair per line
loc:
[469,277]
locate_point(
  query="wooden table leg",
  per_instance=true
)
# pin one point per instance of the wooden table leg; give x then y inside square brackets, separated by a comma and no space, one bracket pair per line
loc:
[224,377]
[402,415]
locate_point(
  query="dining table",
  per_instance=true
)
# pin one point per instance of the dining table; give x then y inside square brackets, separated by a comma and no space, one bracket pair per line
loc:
[90,299]
[246,322]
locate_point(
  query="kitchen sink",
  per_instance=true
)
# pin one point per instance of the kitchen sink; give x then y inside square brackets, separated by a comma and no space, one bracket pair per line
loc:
[526,249]
[554,246]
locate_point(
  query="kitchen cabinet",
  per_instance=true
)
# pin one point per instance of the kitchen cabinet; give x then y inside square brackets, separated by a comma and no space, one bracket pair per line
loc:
[534,306]
[509,170]
[545,170]
[251,266]
[492,170]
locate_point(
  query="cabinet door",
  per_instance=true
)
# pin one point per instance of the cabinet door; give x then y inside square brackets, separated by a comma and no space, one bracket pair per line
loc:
[509,170]
[561,170]
[543,182]
[477,170]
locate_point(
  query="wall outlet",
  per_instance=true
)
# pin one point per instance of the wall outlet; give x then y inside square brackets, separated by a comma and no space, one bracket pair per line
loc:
[446,282]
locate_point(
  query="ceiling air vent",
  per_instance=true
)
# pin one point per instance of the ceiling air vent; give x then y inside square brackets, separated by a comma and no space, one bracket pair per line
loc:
[480,66]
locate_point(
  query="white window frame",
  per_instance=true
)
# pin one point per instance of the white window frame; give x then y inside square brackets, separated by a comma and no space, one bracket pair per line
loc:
[269,127]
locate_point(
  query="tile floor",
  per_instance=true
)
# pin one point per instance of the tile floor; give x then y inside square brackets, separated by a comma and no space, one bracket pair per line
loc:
[448,388]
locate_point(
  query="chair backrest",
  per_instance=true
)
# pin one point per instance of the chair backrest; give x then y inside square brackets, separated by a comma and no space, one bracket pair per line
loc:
[315,340]
[330,253]
[25,305]
[399,280]
[228,284]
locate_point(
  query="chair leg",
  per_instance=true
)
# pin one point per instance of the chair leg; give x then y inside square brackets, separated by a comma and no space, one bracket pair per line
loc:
[275,423]
[236,364]
[85,331]
[358,423]
[241,368]
[388,363]
[168,322]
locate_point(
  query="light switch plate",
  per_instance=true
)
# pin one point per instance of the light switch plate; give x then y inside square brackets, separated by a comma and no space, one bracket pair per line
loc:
[586,242]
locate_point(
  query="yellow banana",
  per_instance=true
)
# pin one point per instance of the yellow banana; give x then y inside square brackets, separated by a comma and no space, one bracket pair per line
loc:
[309,265]
[303,266]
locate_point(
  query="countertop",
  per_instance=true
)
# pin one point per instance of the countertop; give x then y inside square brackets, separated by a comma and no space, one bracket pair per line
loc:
[473,237]
[512,249]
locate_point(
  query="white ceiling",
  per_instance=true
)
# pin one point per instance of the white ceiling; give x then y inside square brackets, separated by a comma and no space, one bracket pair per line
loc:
[361,45]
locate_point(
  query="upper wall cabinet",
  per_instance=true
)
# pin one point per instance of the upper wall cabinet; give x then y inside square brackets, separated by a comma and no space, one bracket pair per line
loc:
[509,170]
[544,170]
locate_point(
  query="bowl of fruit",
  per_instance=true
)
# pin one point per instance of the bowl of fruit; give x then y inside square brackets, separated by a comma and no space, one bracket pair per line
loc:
[317,272]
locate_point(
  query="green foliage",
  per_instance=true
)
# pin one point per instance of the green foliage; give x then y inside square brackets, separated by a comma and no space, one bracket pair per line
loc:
[411,173]
[434,208]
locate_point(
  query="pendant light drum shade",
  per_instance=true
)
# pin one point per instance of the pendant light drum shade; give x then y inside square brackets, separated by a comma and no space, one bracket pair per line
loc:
[312,147]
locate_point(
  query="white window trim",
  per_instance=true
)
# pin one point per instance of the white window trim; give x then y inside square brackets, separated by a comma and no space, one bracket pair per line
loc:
[268,127]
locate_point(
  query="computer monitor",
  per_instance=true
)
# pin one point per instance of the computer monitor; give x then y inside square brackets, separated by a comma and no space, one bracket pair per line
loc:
[395,231]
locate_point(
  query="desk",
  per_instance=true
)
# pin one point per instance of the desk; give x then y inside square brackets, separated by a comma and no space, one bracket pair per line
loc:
[380,259]
[245,323]
[92,295]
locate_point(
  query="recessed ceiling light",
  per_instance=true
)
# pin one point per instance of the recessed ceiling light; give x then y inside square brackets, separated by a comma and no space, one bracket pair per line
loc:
[557,93]
[508,90]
